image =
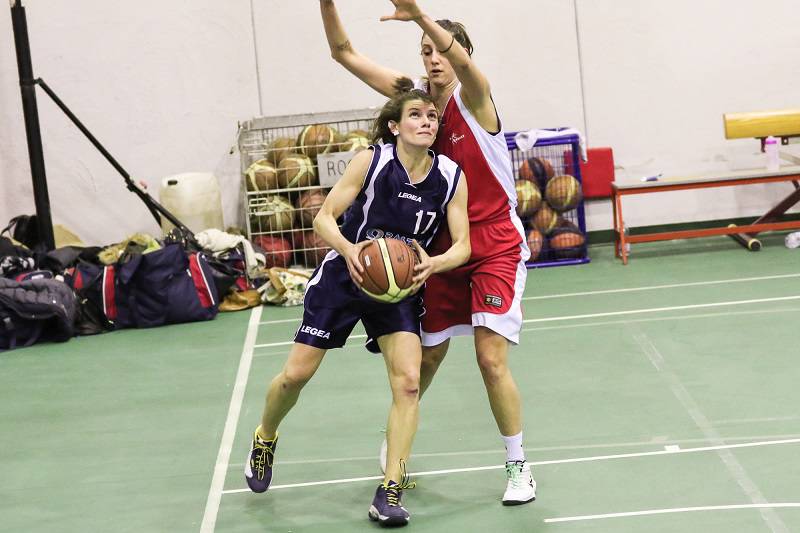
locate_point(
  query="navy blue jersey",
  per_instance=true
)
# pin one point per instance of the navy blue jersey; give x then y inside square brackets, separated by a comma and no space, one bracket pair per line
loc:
[389,205]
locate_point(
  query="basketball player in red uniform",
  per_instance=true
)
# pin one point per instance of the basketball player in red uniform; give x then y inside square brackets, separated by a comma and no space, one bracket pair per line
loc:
[483,297]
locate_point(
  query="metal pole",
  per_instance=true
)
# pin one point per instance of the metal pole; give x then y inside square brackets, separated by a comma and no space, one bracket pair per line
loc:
[31,113]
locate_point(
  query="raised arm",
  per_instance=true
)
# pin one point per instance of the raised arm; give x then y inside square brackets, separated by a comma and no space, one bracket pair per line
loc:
[340,197]
[475,90]
[380,78]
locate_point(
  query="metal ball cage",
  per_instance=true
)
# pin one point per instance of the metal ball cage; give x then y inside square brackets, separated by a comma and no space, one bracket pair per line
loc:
[562,152]
[287,236]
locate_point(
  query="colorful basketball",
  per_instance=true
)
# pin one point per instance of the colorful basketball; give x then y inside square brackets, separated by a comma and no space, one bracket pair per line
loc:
[317,139]
[261,176]
[308,206]
[313,250]
[280,148]
[388,269]
[535,243]
[567,241]
[529,198]
[277,251]
[563,193]
[536,169]
[271,213]
[296,170]
[545,219]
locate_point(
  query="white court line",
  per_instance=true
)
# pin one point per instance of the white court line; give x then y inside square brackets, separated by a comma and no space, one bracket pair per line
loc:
[285,321]
[674,510]
[734,467]
[535,463]
[225,445]
[610,291]
[537,449]
[655,287]
[660,319]
[660,309]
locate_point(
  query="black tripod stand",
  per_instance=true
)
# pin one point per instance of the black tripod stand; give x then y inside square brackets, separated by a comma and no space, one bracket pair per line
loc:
[31,112]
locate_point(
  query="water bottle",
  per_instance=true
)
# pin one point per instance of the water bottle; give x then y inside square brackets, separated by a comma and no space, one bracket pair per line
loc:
[771,151]
[793,240]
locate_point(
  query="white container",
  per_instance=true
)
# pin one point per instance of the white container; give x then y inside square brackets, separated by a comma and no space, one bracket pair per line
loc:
[771,151]
[194,198]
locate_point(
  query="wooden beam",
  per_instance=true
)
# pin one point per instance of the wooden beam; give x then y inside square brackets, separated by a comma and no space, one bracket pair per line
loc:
[759,124]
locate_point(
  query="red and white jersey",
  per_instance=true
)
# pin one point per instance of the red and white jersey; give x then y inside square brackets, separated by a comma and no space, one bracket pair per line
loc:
[482,156]
[485,160]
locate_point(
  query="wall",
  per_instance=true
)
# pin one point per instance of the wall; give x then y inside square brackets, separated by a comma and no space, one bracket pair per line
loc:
[163,84]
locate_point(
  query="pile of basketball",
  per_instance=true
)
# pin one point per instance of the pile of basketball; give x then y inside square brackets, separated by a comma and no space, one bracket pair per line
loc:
[543,199]
[284,194]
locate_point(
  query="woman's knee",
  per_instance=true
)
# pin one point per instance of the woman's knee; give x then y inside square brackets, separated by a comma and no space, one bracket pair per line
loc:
[296,377]
[493,365]
[405,382]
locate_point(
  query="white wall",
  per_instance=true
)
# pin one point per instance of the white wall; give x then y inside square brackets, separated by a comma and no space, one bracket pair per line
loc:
[163,84]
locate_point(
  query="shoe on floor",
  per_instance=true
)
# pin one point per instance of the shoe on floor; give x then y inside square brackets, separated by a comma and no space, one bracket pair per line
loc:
[521,487]
[258,467]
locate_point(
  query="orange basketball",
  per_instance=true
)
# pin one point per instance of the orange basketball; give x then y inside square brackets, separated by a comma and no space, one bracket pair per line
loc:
[567,241]
[296,170]
[535,243]
[280,148]
[529,198]
[261,176]
[388,269]
[317,139]
[314,249]
[545,219]
[563,193]
[536,169]
[308,206]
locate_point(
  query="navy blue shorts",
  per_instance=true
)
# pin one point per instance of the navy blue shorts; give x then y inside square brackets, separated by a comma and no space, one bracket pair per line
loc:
[334,304]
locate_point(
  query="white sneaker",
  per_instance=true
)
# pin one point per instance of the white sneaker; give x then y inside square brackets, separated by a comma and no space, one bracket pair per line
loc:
[521,487]
[384,447]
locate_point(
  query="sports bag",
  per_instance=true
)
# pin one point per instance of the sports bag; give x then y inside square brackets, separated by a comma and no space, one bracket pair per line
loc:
[167,286]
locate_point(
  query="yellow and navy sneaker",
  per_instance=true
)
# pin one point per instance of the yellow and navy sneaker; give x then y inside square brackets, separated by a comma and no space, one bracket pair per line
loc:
[258,467]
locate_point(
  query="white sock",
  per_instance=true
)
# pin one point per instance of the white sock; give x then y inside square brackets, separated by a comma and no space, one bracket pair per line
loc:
[514,451]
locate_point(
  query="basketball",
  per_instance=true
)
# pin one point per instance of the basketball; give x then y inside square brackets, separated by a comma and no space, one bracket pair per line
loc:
[545,219]
[316,139]
[308,206]
[277,251]
[563,193]
[567,241]
[296,170]
[261,176]
[354,142]
[388,269]
[529,198]
[280,148]
[535,243]
[271,213]
[536,169]
[314,249]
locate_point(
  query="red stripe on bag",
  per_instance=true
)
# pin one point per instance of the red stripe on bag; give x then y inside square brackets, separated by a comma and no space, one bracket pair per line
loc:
[77,280]
[109,304]
[200,282]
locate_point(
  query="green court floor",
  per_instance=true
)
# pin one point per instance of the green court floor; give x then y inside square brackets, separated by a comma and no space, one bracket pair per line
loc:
[657,396]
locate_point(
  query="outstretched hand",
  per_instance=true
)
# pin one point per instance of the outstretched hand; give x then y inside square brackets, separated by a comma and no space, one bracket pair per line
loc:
[404,10]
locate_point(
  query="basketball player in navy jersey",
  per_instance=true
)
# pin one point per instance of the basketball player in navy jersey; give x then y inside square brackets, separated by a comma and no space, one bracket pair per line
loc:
[398,189]
[482,298]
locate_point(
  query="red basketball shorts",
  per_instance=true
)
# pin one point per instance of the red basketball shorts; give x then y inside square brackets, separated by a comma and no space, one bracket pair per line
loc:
[487,291]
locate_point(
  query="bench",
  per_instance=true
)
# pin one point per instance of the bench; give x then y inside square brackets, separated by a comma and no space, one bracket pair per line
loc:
[745,235]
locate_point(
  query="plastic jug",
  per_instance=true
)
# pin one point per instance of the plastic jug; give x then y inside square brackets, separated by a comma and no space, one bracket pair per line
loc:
[194,198]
